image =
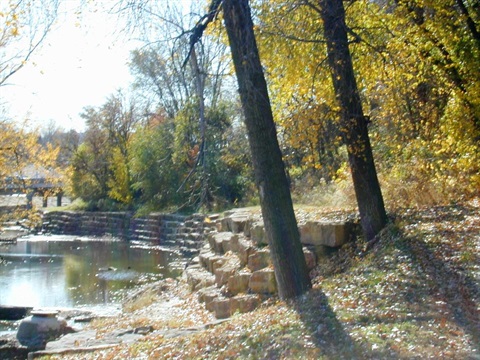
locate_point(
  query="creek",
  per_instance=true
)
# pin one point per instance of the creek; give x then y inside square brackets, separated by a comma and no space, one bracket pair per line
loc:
[61,271]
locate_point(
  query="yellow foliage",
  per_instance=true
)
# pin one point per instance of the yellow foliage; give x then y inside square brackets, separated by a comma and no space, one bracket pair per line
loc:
[119,184]
[419,82]
[20,154]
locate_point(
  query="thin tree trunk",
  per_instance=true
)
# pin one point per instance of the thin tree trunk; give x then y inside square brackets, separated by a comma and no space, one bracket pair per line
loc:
[279,218]
[373,216]
[200,87]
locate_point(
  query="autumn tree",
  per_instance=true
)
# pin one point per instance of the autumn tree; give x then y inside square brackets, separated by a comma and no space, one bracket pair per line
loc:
[421,123]
[373,216]
[271,180]
[421,82]
[23,159]
[446,33]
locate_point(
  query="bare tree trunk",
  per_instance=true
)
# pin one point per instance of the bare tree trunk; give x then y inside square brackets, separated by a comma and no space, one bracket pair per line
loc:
[354,123]
[280,224]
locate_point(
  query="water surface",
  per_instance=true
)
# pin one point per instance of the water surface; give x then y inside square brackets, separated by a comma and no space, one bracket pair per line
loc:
[68,271]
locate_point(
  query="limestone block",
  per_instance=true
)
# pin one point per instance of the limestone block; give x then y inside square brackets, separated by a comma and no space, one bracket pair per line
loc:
[257,233]
[310,258]
[244,303]
[204,257]
[230,243]
[211,261]
[223,225]
[216,262]
[263,282]
[208,295]
[321,233]
[245,248]
[223,273]
[259,259]
[234,223]
[221,307]
[238,282]
[198,278]
[211,241]
[222,242]
[250,223]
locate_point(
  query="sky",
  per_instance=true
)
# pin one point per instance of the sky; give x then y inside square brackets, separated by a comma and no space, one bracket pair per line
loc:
[82,62]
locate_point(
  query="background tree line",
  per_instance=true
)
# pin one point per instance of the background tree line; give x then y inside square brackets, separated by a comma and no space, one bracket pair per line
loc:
[416,65]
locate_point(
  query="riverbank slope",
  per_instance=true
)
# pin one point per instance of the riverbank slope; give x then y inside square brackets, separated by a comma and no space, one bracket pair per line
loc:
[413,293]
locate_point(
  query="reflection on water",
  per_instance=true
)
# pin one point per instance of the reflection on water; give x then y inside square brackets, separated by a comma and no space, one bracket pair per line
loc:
[66,271]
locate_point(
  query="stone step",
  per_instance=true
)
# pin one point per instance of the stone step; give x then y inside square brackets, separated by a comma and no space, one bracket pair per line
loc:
[223,242]
[198,277]
[234,223]
[238,282]
[227,270]
[263,282]
[225,307]
[206,295]
[259,259]
[211,261]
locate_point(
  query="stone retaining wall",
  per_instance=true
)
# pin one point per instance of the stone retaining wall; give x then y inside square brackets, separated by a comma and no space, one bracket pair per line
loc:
[87,223]
[234,272]
[182,232]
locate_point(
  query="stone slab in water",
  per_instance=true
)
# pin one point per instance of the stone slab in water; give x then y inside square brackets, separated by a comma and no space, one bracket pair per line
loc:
[13,312]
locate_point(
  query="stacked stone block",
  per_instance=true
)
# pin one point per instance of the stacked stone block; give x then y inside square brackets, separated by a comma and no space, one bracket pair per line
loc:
[234,271]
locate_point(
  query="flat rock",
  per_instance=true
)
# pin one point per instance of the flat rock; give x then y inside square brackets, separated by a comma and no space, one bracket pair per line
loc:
[78,339]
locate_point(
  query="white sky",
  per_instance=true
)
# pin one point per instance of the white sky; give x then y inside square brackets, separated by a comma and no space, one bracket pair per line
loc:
[81,63]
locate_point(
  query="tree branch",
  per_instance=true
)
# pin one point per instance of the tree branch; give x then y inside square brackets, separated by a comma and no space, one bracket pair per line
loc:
[201,25]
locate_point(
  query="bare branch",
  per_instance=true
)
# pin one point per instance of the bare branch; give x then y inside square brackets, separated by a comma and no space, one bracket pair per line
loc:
[201,25]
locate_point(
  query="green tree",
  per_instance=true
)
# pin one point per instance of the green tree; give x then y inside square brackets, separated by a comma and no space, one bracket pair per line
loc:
[154,174]
[100,166]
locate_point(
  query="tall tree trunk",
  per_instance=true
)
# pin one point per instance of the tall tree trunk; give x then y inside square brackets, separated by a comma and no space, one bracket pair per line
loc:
[354,123]
[278,215]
